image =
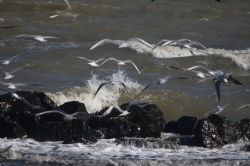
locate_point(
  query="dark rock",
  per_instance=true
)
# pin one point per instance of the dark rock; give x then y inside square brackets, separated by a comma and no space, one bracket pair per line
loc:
[143,120]
[244,129]
[184,125]
[246,148]
[73,107]
[9,128]
[215,131]
[114,127]
[39,101]
[148,117]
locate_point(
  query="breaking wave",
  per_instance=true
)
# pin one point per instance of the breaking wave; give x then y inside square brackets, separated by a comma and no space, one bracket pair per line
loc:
[108,95]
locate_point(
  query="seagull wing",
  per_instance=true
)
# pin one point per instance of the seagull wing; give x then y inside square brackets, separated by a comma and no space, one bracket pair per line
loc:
[83,58]
[68,5]
[100,86]
[242,107]
[217,89]
[233,80]
[137,44]
[132,63]
[106,41]
[110,59]
[145,88]
[20,68]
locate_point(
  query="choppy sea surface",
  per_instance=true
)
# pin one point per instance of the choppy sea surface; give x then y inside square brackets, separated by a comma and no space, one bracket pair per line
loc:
[223,28]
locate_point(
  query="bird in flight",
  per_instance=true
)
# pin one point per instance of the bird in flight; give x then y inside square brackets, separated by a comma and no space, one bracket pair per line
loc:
[39,38]
[108,83]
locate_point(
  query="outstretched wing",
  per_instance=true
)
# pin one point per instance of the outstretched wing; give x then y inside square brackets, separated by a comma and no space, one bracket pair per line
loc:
[107,41]
[233,80]
[100,86]
[217,89]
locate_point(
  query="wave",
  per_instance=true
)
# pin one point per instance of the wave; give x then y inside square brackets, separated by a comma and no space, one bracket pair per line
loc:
[108,95]
[107,149]
[179,48]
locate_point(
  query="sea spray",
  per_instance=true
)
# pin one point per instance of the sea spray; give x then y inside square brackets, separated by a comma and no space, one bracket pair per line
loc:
[108,95]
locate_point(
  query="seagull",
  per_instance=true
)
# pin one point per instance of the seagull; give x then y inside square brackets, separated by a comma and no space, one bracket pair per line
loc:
[242,107]
[90,61]
[137,44]
[39,38]
[9,75]
[7,61]
[221,77]
[18,97]
[159,81]
[120,62]
[199,74]
[11,85]
[55,115]
[107,83]
[108,111]
[163,49]
[218,110]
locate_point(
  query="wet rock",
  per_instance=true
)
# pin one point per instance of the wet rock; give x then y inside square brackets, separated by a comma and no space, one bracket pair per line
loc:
[215,131]
[38,102]
[148,117]
[114,127]
[9,128]
[185,125]
[143,120]
[73,107]
[246,148]
[243,127]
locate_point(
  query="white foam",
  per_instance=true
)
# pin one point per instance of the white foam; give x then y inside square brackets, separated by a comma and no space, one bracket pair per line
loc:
[31,150]
[108,95]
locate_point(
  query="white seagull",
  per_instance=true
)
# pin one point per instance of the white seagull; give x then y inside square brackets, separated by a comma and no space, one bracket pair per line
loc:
[11,85]
[242,107]
[90,61]
[16,96]
[120,62]
[137,44]
[218,110]
[7,61]
[10,75]
[108,83]
[39,38]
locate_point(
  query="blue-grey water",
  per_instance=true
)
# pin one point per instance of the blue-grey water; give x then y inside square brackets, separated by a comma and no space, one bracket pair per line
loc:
[223,28]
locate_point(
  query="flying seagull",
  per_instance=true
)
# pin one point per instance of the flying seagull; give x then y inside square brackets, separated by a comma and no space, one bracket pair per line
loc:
[7,61]
[159,81]
[18,97]
[39,38]
[120,62]
[242,107]
[218,110]
[11,85]
[90,61]
[108,83]
[10,75]
[137,44]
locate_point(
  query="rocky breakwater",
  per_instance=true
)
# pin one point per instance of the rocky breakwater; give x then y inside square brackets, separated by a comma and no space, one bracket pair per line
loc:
[35,115]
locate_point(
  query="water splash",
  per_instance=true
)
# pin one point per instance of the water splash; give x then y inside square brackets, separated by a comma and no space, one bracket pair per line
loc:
[108,95]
